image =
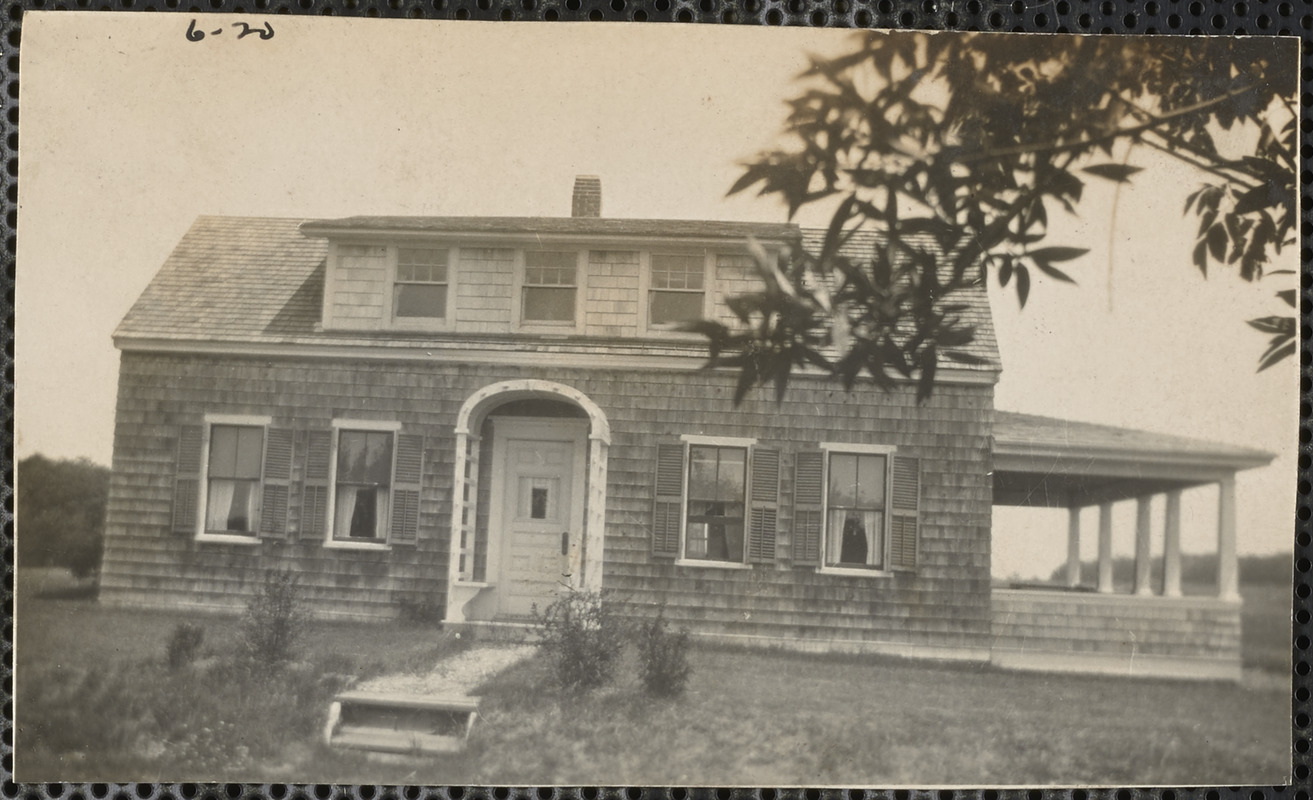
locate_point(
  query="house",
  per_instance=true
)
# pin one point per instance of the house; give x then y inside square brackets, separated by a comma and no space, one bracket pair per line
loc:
[474,413]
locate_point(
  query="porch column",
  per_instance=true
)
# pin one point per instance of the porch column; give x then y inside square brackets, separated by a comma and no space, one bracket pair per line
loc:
[1143,584]
[1073,546]
[1228,578]
[1105,547]
[1172,545]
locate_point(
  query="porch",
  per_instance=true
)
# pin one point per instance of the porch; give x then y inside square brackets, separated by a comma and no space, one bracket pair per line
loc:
[1149,627]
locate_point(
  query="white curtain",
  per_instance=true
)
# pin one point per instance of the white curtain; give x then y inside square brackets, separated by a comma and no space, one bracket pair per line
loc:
[220,505]
[345,511]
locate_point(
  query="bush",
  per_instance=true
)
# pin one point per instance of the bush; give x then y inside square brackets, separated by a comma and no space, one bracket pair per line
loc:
[426,610]
[663,657]
[274,619]
[185,644]
[583,639]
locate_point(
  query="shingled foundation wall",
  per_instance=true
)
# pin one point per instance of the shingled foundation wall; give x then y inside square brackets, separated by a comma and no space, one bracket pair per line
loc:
[1086,632]
[945,604]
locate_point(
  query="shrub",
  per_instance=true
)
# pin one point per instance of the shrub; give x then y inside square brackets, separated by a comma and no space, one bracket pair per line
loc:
[274,619]
[185,644]
[582,638]
[663,657]
[426,610]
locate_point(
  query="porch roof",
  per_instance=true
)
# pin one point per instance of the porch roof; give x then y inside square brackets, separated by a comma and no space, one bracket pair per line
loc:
[1042,461]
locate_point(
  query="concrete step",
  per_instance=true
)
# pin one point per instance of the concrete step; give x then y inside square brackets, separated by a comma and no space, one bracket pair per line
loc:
[400,723]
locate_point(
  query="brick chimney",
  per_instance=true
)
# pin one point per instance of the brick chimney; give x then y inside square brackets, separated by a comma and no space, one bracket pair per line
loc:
[587,196]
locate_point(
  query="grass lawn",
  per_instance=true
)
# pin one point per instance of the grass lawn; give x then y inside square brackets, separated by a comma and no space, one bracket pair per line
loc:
[95,700]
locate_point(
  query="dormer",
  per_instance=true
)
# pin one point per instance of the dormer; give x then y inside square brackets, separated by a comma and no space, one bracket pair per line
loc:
[582,275]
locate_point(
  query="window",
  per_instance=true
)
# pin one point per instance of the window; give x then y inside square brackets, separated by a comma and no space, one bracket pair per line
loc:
[855,510]
[420,289]
[363,485]
[716,493]
[677,289]
[550,287]
[716,501]
[233,479]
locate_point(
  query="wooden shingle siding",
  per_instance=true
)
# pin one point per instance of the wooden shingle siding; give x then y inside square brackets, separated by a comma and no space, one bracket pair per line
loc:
[359,286]
[944,601]
[1039,622]
[483,289]
[736,274]
[611,299]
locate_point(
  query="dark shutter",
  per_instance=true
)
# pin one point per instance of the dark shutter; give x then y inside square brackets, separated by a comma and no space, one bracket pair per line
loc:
[765,497]
[808,497]
[277,482]
[405,489]
[669,504]
[904,503]
[187,478]
[314,497]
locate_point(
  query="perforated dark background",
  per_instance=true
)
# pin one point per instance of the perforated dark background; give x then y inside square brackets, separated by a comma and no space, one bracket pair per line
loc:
[1074,16]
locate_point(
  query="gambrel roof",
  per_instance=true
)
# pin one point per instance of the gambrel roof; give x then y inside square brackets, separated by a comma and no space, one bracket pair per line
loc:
[260,280]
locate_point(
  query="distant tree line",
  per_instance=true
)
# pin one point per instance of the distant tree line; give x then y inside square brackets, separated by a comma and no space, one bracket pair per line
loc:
[1196,569]
[60,513]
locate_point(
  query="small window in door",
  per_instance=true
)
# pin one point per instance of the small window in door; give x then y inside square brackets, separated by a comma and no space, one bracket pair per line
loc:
[538,498]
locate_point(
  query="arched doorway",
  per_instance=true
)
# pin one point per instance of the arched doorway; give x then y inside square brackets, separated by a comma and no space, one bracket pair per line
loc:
[528,499]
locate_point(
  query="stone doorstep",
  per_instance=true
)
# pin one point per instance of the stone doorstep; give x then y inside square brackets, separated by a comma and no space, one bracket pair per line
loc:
[419,740]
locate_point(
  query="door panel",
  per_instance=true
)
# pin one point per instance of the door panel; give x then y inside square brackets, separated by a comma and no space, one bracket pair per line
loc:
[537,490]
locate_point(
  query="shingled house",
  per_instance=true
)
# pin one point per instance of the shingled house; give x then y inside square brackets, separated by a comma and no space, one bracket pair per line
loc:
[473,413]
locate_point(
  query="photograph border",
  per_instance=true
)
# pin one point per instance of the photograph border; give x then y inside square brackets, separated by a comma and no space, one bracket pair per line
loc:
[1141,17]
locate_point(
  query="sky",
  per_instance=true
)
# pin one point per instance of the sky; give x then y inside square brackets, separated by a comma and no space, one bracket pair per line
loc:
[130,131]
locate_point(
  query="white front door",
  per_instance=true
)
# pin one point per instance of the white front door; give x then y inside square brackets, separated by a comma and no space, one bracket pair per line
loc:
[539,495]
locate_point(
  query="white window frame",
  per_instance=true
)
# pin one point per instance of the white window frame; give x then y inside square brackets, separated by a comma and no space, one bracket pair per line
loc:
[446,322]
[645,325]
[689,440]
[203,493]
[851,448]
[338,426]
[518,285]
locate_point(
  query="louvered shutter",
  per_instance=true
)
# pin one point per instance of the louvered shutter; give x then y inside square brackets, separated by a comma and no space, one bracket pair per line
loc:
[277,482]
[405,489]
[314,495]
[187,478]
[904,504]
[808,497]
[765,497]
[669,504]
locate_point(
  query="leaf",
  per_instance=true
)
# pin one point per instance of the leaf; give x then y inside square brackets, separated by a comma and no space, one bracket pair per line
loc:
[1258,198]
[1216,239]
[1023,284]
[1289,297]
[1274,356]
[1005,272]
[1281,326]
[962,357]
[1053,272]
[1051,254]
[1118,173]
[1201,256]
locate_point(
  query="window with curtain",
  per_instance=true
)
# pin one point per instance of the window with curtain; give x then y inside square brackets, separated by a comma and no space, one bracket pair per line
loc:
[236,453]
[716,493]
[364,485]
[550,284]
[677,288]
[855,510]
[421,285]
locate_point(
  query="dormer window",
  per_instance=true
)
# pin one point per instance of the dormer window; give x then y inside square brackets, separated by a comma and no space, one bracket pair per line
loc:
[420,289]
[678,288]
[551,286]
